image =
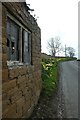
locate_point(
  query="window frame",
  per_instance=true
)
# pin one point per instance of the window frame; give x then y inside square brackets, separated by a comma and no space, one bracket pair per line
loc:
[28,47]
[21,27]
[12,40]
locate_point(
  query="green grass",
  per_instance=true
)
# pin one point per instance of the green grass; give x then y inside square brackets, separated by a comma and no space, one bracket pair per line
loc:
[50,74]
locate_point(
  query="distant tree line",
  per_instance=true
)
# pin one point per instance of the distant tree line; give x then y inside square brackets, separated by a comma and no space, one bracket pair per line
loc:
[55,47]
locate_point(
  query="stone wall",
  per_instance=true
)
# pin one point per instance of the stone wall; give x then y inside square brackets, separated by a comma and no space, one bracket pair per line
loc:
[21,85]
[0,60]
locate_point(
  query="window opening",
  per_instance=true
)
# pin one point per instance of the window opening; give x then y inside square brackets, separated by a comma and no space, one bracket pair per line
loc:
[18,43]
[26,47]
[12,40]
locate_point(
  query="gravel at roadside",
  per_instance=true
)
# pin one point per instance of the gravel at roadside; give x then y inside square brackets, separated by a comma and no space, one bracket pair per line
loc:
[51,106]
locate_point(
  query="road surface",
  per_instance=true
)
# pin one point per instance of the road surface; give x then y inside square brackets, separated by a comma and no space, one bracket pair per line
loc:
[69,80]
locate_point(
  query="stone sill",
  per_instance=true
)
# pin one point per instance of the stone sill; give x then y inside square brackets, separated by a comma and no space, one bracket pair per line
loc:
[12,64]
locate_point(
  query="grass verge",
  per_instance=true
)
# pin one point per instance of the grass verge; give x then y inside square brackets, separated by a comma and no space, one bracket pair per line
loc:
[50,74]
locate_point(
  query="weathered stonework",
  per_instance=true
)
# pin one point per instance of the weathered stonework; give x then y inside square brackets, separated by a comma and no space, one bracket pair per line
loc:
[0,60]
[21,85]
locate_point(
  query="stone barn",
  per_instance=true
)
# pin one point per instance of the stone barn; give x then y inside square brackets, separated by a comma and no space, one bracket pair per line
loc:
[21,68]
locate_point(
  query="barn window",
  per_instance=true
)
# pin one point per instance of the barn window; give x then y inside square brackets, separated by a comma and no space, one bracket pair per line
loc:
[12,40]
[18,43]
[26,45]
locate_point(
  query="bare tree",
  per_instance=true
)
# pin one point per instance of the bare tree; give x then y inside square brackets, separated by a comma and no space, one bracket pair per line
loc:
[54,46]
[70,51]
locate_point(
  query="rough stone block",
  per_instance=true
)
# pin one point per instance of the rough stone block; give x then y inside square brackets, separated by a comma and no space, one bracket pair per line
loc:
[4,64]
[27,96]
[5,104]
[12,91]
[4,41]
[4,75]
[23,71]
[13,73]
[0,75]
[9,85]
[26,107]
[21,79]
[16,96]
[20,104]
[22,86]
[16,72]
[25,91]
[5,96]
[10,112]
[0,56]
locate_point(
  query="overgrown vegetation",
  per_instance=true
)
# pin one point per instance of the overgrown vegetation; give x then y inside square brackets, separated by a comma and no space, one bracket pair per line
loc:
[50,74]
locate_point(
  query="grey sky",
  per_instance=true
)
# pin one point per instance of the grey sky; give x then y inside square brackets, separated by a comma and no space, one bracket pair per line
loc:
[57,18]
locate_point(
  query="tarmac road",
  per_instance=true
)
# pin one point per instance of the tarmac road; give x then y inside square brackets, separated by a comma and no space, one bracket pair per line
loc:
[69,79]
